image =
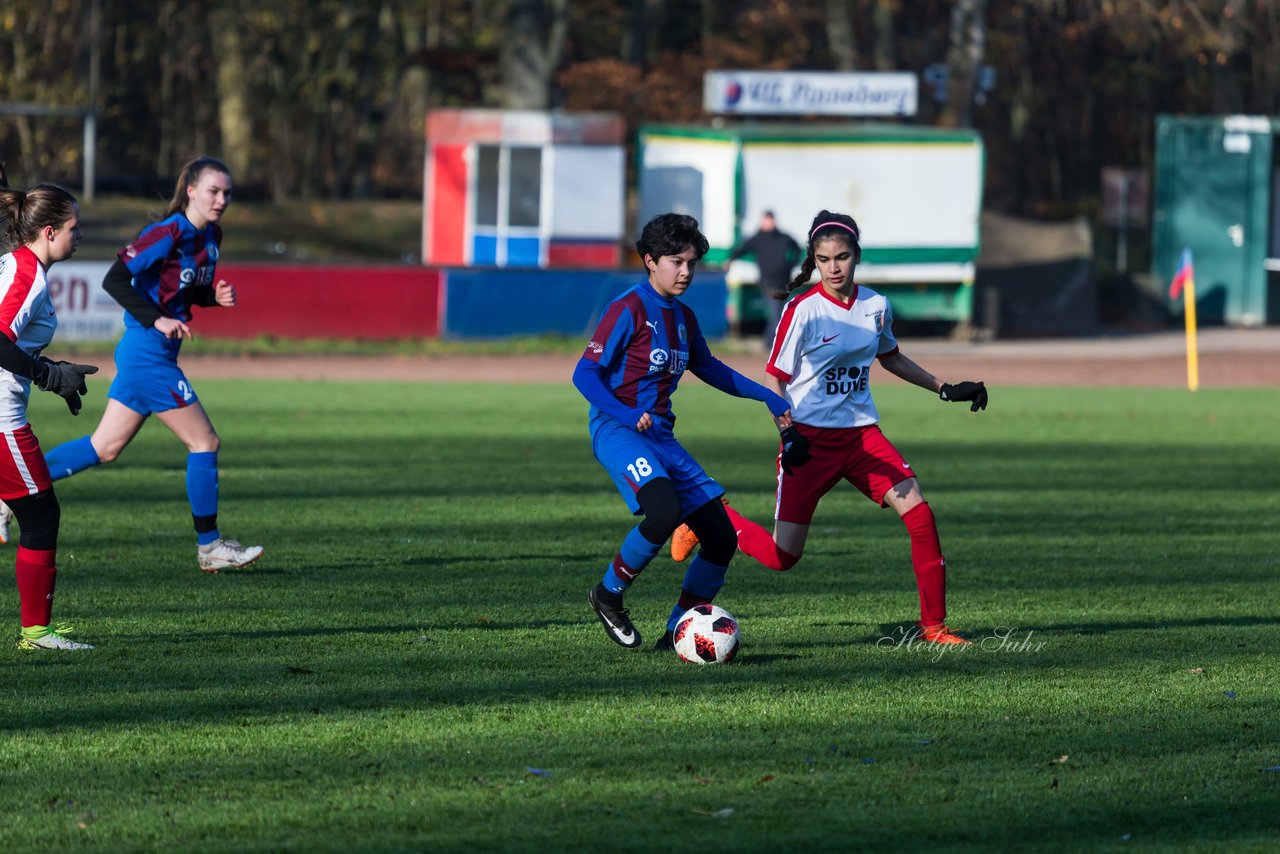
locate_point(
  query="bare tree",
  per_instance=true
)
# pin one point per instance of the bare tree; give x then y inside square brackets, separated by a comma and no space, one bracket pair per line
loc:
[840,35]
[884,56]
[235,94]
[531,51]
[964,59]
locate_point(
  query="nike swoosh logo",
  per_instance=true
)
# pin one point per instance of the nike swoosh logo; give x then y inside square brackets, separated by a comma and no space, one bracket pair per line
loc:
[621,635]
[826,340]
[617,631]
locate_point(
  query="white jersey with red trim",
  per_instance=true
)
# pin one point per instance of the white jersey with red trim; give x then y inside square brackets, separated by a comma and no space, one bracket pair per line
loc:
[823,352]
[28,319]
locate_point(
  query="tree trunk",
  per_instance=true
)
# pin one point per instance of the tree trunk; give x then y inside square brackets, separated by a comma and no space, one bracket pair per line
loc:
[165,151]
[235,98]
[1228,94]
[884,53]
[964,58]
[531,51]
[840,35]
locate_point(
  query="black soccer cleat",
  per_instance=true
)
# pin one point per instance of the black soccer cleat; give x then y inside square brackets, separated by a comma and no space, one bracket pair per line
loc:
[666,643]
[616,619]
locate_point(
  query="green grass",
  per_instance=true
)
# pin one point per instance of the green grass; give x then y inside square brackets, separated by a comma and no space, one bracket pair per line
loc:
[413,665]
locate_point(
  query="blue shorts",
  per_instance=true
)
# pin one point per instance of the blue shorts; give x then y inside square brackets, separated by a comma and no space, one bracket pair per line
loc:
[148,378]
[633,459]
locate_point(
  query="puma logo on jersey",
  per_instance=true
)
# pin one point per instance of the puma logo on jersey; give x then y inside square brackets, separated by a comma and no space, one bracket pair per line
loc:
[652,324]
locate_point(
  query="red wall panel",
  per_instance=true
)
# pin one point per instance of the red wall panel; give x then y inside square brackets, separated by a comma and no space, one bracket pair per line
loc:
[446,217]
[581,254]
[326,302]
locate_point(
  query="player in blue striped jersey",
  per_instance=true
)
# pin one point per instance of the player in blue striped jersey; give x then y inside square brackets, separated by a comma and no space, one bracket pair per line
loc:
[157,279]
[644,343]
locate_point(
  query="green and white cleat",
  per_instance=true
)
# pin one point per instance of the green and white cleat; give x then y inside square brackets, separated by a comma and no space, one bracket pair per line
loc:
[226,554]
[43,637]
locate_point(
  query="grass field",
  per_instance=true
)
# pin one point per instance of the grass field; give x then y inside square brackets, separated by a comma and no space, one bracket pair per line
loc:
[413,665]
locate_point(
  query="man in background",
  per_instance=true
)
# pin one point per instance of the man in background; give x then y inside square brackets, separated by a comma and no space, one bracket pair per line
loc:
[776,253]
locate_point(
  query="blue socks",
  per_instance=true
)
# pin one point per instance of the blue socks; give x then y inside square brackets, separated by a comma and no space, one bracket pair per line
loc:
[71,457]
[634,555]
[202,493]
[702,581]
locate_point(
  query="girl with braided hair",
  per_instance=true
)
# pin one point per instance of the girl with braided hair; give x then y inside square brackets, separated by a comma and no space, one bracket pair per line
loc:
[43,226]
[821,362]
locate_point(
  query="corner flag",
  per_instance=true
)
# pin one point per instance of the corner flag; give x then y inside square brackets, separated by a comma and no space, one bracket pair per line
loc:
[1185,274]
[1184,285]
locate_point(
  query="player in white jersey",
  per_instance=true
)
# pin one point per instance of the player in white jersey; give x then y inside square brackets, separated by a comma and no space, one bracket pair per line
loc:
[44,225]
[821,361]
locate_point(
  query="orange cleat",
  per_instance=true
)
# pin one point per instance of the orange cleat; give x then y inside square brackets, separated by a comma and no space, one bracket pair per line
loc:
[682,543]
[939,633]
[684,539]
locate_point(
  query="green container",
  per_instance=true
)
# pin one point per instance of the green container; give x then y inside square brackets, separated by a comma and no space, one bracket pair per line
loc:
[1217,190]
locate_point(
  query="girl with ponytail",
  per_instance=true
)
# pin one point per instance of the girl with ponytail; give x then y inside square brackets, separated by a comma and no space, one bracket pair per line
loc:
[42,227]
[158,279]
[820,362]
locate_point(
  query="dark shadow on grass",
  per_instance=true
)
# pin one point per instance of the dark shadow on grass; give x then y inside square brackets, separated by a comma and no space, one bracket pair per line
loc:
[746,659]
[1147,625]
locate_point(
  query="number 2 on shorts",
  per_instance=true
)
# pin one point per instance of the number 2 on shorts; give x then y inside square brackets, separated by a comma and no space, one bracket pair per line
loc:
[184,390]
[640,469]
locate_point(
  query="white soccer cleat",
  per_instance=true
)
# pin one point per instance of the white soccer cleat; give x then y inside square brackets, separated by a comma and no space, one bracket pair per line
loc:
[49,640]
[6,516]
[226,554]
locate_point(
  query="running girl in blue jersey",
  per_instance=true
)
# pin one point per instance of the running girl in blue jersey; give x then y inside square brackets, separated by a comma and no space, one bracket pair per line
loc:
[157,279]
[44,225]
[645,342]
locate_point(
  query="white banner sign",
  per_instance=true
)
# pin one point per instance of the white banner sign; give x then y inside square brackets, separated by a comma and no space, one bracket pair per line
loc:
[773,93]
[85,311]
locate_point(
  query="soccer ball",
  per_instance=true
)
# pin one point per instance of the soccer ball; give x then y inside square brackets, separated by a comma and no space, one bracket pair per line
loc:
[707,634]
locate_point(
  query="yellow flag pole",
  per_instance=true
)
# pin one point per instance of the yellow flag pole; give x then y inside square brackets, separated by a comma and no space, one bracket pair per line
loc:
[1189,313]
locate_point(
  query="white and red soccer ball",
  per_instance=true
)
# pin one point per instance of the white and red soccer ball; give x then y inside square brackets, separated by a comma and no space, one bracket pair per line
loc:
[706,634]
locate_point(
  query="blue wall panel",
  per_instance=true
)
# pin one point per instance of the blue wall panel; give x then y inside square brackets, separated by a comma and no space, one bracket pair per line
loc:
[484,250]
[504,303]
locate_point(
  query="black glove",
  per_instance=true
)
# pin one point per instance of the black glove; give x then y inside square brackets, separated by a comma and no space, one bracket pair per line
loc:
[795,449]
[977,392]
[65,379]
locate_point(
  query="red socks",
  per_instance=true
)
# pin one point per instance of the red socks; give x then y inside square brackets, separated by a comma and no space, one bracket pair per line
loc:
[756,542]
[689,600]
[926,556]
[929,564]
[36,577]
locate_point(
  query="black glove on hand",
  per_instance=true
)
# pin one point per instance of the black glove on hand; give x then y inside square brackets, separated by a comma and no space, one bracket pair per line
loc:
[65,379]
[795,449]
[977,392]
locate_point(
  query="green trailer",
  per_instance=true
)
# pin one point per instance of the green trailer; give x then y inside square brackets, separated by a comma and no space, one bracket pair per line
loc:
[1217,192]
[915,191]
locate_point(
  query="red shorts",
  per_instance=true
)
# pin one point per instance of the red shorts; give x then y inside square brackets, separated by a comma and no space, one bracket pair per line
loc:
[860,455]
[22,468]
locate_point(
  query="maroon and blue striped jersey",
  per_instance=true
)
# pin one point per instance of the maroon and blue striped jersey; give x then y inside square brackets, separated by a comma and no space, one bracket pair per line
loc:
[642,347]
[170,256]
[637,355]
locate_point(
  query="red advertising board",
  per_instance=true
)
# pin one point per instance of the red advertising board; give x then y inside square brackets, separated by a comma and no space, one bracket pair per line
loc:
[287,301]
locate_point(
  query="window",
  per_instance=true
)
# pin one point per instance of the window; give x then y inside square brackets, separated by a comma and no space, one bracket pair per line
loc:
[525,204]
[487,184]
